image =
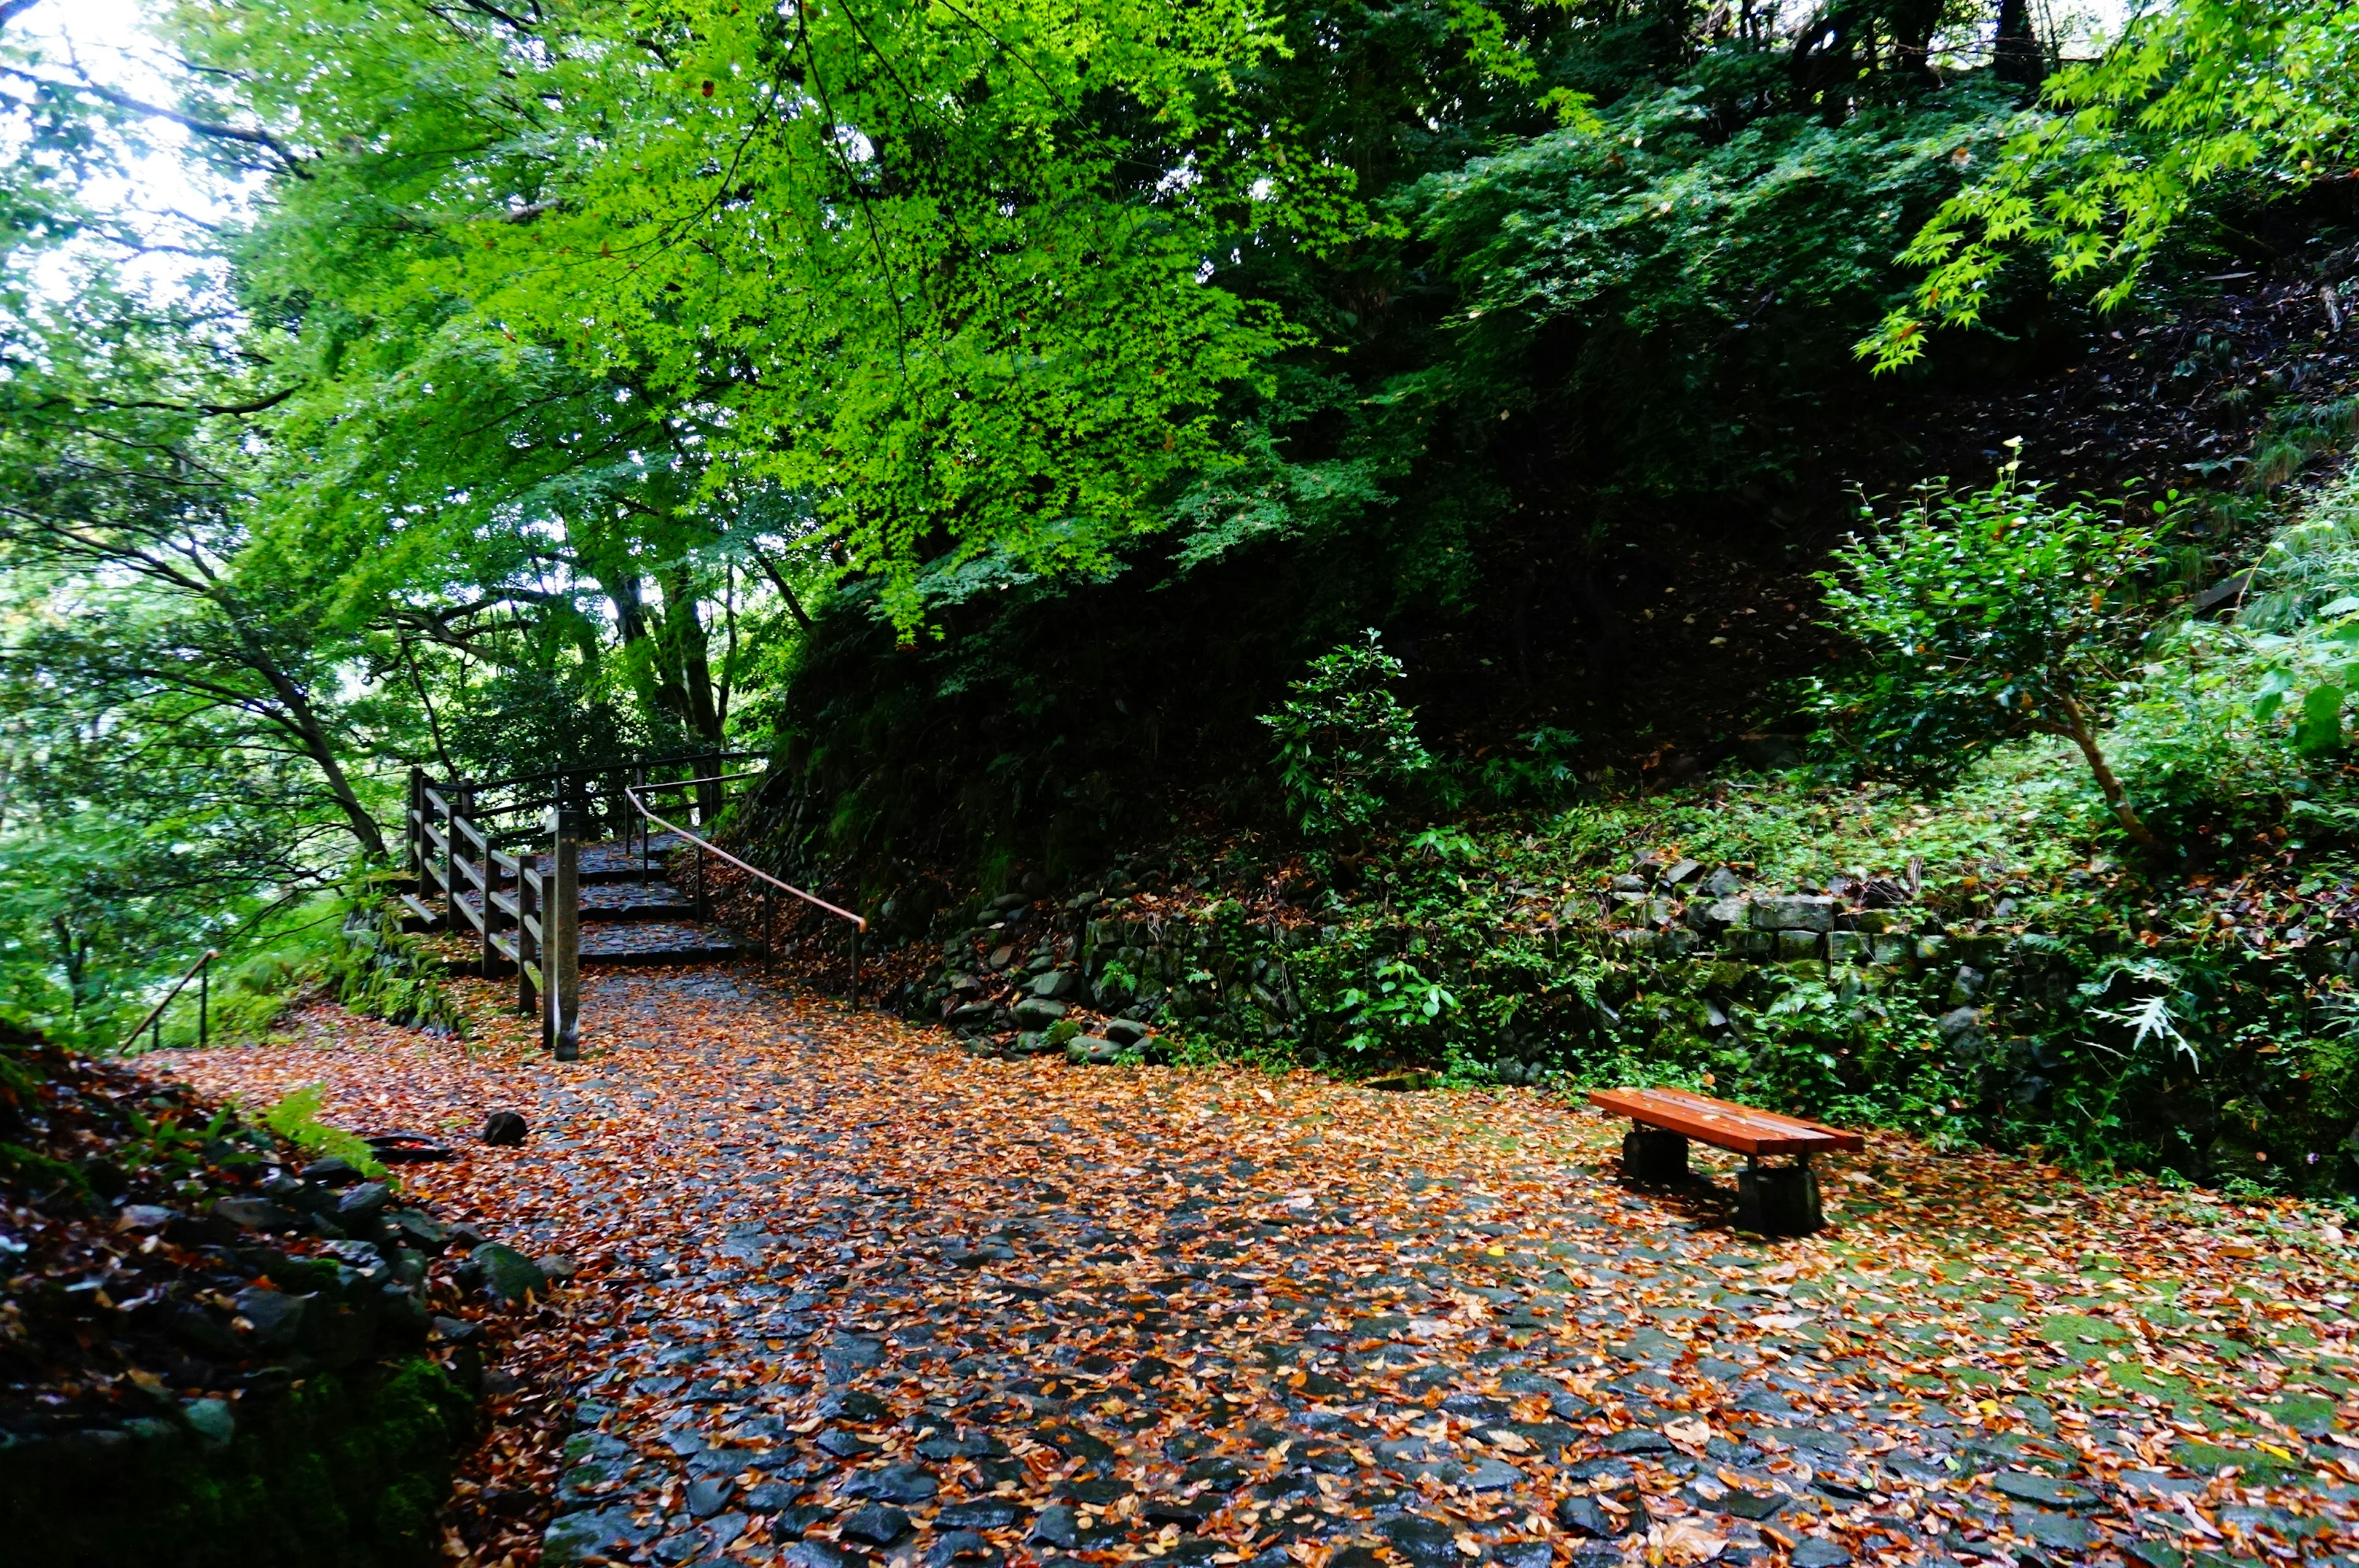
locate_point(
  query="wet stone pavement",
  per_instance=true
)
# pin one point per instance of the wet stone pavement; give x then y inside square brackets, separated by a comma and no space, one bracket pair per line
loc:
[852,1299]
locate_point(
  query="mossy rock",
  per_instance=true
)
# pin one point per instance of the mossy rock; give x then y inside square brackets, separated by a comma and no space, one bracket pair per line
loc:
[345,1469]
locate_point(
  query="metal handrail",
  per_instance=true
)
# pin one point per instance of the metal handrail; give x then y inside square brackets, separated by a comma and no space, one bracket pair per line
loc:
[154,1018]
[859,921]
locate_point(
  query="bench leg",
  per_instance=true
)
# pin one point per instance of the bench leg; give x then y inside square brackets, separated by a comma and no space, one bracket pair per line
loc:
[1778,1200]
[1654,1157]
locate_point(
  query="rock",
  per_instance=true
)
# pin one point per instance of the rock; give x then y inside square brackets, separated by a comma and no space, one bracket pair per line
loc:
[1639,1440]
[457,1331]
[1628,883]
[418,1229]
[1057,984]
[1492,1475]
[256,1214]
[1125,1030]
[823,1554]
[140,1217]
[1424,1542]
[576,1538]
[1724,884]
[1059,1526]
[1093,1051]
[1585,1516]
[2031,1486]
[894,1484]
[509,1274]
[959,1546]
[556,1265]
[364,1202]
[1682,870]
[275,1319]
[854,1405]
[1755,1505]
[205,1332]
[331,1173]
[710,1495]
[212,1420]
[504,1129]
[875,1524]
[1847,947]
[1710,916]
[1818,1551]
[1794,911]
[1037,1012]
[1796,947]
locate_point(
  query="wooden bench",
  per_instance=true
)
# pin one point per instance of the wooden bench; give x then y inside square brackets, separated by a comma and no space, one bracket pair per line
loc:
[1774,1200]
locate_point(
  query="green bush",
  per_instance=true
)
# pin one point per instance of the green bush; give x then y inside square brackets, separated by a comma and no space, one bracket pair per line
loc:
[1344,739]
[1983,617]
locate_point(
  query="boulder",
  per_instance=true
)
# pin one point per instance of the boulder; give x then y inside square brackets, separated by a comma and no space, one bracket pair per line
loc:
[509,1274]
[364,1202]
[256,1214]
[1794,911]
[1125,1030]
[504,1129]
[1037,1012]
[1093,1051]
[271,1319]
[1057,984]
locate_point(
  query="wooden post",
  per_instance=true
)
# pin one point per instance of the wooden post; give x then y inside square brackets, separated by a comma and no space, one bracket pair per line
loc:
[561,954]
[527,945]
[204,999]
[489,954]
[450,915]
[412,837]
[640,816]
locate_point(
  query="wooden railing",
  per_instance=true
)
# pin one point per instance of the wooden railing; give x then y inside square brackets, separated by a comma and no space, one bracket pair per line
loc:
[523,904]
[153,1024]
[770,885]
[452,851]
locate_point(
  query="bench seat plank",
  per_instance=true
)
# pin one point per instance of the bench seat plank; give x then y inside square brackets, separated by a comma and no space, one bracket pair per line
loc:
[1726,1125]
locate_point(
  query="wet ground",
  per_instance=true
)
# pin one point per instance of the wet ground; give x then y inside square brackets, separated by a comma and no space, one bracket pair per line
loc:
[851,1297]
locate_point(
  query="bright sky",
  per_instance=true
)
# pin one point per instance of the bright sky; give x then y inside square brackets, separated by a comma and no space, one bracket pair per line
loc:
[108,41]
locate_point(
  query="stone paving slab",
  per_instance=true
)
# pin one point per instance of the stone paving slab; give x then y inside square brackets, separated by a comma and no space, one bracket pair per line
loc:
[855,1300]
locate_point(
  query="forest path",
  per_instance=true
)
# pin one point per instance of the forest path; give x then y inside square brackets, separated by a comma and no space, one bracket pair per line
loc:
[848,1293]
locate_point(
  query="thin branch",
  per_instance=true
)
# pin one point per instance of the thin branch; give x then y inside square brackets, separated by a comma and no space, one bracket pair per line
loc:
[291,161]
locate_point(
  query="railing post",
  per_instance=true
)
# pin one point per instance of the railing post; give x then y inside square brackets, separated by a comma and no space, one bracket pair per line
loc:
[527,945]
[450,916]
[412,844]
[561,954]
[491,910]
[204,1000]
[639,775]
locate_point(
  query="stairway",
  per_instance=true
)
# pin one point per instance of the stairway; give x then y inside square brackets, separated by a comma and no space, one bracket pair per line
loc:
[631,915]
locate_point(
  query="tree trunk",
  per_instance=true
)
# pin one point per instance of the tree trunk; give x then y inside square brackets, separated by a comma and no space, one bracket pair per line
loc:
[2075,728]
[2016,54]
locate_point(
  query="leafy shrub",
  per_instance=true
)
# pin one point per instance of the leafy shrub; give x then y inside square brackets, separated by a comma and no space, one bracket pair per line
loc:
[1344,739]
[1983,617]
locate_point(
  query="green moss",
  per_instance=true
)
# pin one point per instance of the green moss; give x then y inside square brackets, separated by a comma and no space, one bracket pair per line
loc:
[346,1470]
